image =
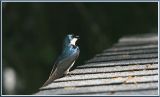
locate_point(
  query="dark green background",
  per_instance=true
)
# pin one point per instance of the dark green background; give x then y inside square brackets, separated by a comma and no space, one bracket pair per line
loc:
[33,33]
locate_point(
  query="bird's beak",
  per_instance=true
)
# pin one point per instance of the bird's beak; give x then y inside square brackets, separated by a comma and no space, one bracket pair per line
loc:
[77,37]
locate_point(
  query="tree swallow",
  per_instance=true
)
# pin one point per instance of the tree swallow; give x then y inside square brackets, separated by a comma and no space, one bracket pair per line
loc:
[66,60]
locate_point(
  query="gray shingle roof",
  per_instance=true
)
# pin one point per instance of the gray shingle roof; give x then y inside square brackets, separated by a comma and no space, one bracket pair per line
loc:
[130,67]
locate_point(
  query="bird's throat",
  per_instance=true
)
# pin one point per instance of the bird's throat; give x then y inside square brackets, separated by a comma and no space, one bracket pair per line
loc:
[73,41]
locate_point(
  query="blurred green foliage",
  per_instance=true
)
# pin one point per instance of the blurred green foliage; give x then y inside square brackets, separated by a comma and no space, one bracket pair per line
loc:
[33,33]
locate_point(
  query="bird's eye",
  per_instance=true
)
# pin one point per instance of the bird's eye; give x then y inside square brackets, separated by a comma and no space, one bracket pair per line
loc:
[72,36]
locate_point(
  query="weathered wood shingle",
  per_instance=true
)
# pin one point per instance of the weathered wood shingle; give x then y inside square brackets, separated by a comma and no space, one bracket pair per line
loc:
[130,67]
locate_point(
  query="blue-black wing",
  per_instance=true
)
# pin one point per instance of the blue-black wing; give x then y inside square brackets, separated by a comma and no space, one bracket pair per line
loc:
[61,65]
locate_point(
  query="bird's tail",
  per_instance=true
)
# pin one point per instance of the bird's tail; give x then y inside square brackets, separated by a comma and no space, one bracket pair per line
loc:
[51,78]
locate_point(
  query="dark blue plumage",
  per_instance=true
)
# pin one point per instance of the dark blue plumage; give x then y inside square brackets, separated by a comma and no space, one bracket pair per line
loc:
[66,60]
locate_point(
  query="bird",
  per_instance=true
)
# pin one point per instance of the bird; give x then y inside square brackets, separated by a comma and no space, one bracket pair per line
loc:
[66,60]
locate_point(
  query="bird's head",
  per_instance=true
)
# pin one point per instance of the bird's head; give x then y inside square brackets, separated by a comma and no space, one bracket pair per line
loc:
[71,39]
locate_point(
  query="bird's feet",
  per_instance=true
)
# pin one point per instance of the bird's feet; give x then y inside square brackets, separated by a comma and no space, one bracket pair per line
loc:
[69,74]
